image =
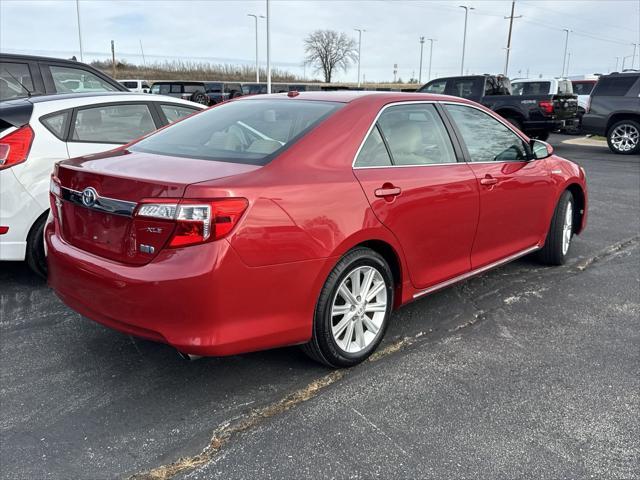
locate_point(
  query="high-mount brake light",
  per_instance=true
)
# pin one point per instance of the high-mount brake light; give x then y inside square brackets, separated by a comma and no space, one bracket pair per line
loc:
[14,147]
[197,221]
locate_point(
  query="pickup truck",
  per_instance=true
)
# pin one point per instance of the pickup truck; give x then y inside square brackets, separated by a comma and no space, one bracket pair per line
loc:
[537,115]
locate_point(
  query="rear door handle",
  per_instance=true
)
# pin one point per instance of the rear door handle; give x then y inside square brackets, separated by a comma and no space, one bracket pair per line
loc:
[488,180]
[387,191]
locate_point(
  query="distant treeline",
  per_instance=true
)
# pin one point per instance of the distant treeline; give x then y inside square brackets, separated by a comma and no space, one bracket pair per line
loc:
[190,70]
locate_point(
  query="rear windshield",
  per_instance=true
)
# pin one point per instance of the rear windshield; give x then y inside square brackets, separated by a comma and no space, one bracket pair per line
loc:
[250,132]
[530,88]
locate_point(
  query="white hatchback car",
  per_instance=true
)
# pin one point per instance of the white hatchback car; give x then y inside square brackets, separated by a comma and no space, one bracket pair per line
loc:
[39,131]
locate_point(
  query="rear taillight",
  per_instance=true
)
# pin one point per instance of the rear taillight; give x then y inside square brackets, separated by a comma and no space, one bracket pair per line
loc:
[546,106]
[196,221]
[14,148]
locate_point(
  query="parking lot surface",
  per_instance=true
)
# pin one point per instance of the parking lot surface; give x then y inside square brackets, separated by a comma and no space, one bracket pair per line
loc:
[524,372]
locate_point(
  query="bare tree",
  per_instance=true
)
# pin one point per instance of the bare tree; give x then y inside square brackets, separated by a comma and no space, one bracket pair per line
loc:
[328,50]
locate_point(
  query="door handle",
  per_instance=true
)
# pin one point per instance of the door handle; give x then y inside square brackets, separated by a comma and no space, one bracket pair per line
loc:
[488,180]
[387,191]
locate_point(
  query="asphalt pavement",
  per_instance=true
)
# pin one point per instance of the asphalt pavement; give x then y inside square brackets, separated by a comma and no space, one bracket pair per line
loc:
[524,372]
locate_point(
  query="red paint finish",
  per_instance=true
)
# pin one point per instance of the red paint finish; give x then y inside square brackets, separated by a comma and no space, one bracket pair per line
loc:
[257,287]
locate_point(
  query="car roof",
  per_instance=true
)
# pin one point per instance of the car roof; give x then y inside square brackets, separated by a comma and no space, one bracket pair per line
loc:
[348,96]
[38,58]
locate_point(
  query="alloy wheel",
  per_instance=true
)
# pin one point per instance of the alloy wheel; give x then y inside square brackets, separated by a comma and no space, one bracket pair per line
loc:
[567,228]
[358,309]
[625,137]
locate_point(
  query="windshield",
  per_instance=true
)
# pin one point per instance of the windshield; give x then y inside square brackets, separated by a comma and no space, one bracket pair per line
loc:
[530,88]
[250,132]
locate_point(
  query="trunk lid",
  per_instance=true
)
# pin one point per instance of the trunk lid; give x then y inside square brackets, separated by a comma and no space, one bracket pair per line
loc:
[102,220]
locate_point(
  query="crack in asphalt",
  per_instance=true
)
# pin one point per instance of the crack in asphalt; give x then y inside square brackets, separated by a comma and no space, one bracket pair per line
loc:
[226,431]
[608,252]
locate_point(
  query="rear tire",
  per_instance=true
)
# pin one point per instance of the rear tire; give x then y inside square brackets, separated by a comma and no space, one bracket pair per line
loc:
[556,247]
[347,331]
[544,136]
[624,137]
[200,97]
[35,256]
[515,122]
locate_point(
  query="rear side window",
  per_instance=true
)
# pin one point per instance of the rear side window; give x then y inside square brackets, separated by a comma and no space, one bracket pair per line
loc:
[130,84]
[617,86]
[465,88]
[77,80]
[175,112]
[176,88]
[249,132]
[530,88]
[56,123]
[487,139]
[15,80]
[374,153]
[112,124]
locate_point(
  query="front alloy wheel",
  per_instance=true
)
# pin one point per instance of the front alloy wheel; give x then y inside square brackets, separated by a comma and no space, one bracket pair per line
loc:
[624,137]
[353,309]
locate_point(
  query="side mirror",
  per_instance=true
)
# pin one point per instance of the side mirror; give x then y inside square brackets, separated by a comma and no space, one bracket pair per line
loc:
[540,149]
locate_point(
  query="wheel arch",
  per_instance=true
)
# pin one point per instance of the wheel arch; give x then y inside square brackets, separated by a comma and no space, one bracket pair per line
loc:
[580,210]
[616,117]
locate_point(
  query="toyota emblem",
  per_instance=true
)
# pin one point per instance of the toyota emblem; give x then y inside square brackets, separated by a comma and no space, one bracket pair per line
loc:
[89,197]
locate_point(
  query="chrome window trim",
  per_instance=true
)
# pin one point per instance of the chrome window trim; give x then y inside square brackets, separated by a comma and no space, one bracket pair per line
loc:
[375,121]
[102,204]
[477,271]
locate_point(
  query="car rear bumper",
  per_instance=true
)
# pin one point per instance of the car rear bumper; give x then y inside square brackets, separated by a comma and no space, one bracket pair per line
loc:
[203,300]
[18,211]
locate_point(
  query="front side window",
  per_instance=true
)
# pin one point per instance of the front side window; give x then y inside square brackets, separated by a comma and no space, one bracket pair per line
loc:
[77,80]
[251,132]
[583,88]
[487,139]
[466,87]
[176,88]
[112,124]
[437,87]
[130,84]
[175,112]
[15,80]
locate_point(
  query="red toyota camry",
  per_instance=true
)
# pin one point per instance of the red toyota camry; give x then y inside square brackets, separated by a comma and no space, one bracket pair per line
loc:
[302,219]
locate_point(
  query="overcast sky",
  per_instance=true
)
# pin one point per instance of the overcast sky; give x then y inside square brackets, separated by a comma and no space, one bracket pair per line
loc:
[220,31]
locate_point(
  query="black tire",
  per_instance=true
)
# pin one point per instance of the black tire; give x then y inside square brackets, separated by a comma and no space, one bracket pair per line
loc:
[631,125]
[35,256]
[200,97]
[552,252]
[544,136]
[515,122]
[323,347]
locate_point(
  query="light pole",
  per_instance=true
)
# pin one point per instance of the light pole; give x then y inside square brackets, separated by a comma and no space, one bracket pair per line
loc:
[568,62]
[617,61]
[257,64]
[510,18]
[431,40]
[464,38]
[566,44]
[268,47]
[421,49]
[633,59]
[79,33]
[359,30]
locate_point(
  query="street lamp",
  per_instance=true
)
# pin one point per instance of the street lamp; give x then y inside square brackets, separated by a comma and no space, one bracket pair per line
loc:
[360,31]
[79,32]
[257,64]
[431,40]
[268,47]
[464,38]
[421,49]
[566,44]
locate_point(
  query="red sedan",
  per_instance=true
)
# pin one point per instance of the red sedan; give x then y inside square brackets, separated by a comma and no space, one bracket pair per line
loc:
[302,219]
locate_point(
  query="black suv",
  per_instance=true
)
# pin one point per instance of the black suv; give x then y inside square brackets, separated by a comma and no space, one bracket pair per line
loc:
[205,93]
[614,112]
[25,76]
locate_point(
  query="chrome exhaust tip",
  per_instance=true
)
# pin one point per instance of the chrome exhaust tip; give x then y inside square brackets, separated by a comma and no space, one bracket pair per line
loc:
[188,357]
